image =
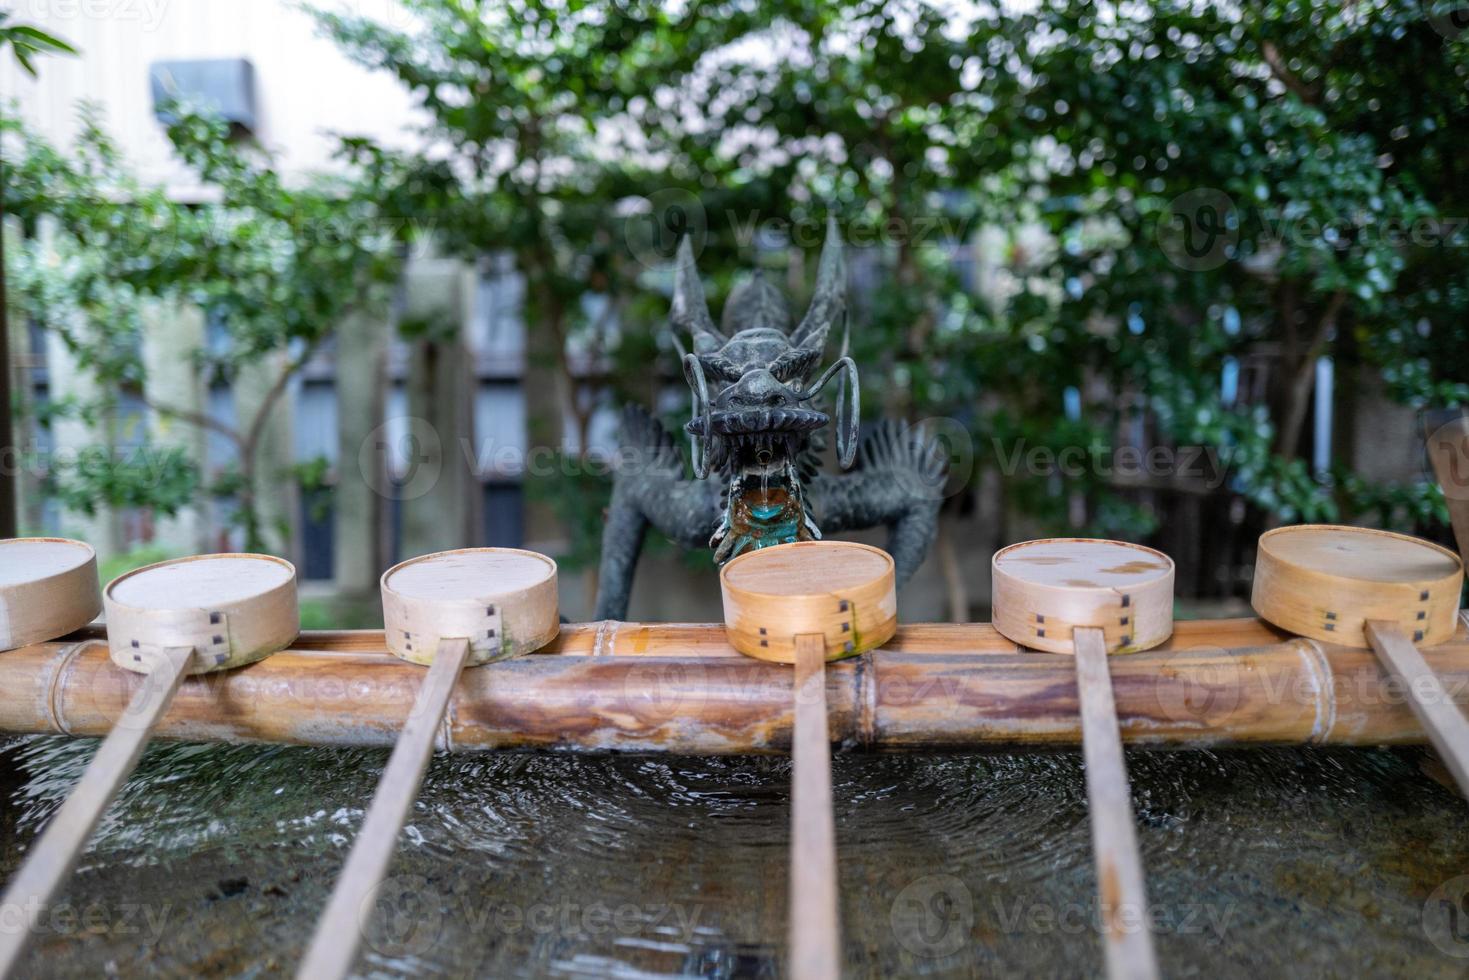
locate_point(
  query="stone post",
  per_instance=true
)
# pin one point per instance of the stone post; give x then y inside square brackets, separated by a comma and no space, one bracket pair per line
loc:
[439,514]
[173,334]
[358,506]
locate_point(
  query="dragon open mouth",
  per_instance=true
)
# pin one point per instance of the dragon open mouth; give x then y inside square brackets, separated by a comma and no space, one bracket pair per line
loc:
[759,421]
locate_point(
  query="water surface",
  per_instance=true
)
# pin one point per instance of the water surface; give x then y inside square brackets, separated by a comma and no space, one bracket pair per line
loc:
[216,860]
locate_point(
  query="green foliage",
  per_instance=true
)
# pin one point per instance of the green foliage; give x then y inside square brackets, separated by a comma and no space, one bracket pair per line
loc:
[1076,150]
[279,265]
[26,42]
[1144,198]
[132,560]
[568,497]
[1076,147]
[163,480]
[314,479]
[317,614]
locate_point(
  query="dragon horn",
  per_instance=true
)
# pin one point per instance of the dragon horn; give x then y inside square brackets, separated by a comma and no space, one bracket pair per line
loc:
[690,310]
[830,297]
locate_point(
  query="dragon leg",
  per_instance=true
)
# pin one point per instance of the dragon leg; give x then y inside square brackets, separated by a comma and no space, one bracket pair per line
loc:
[622,543]
[649,488]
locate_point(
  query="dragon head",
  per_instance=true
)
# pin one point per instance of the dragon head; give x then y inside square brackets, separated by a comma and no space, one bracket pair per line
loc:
[755,403]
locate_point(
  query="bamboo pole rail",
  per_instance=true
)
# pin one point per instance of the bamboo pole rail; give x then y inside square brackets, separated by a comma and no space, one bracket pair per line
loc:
[681,688]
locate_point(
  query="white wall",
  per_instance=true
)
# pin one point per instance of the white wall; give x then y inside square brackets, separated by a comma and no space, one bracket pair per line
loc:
[305,87]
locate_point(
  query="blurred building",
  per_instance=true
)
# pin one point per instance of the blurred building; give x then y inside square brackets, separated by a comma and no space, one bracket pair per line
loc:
[292,91]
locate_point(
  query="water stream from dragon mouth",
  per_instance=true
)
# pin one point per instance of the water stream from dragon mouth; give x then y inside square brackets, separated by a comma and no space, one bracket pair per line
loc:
[764,506]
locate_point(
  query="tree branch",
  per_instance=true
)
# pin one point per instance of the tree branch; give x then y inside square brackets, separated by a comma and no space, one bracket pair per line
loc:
[1278,68]
[198,419]
[273,394]
[1302,378]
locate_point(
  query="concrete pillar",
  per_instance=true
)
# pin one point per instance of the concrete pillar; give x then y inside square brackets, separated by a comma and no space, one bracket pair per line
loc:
[358,506]
[275,487]
[440,513]
[173,335]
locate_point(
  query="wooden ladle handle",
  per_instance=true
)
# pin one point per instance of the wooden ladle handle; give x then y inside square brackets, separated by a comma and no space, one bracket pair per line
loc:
[815,948]
[55,854]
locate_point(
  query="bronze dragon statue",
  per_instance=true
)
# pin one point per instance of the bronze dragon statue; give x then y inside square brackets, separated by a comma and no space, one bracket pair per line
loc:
[756,440]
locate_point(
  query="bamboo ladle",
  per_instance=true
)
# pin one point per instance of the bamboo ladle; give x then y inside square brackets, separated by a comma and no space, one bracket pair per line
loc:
[48,588]
[166,621]
[473,606]
[1362,587]
[1092,598]
[805,604]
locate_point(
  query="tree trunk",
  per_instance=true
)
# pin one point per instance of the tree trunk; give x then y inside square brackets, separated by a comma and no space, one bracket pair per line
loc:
[268,502]
[1298,379]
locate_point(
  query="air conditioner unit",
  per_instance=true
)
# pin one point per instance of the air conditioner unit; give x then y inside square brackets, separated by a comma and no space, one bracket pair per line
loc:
[226,85]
